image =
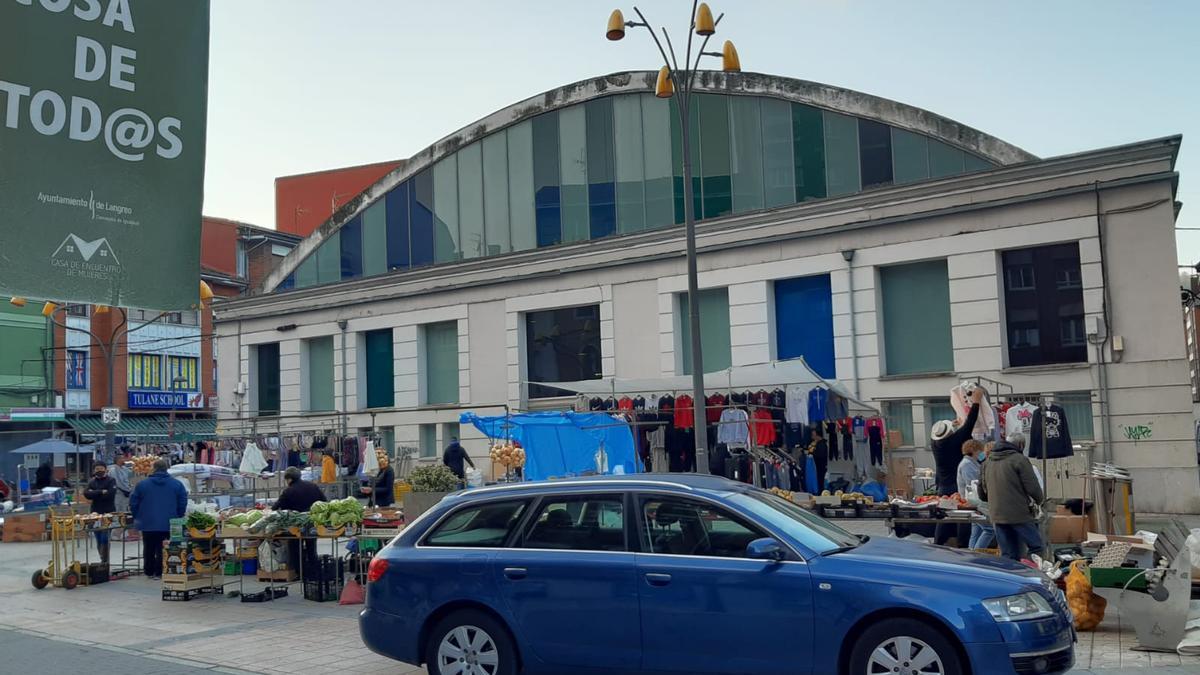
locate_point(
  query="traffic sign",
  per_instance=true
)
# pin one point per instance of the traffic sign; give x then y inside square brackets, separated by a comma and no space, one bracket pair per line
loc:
[110,416]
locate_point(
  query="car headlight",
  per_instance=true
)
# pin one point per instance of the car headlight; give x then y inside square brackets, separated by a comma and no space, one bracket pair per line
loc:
[1022,607]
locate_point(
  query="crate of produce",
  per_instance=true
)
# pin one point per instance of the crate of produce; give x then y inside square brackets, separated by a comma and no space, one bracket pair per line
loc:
[322,591]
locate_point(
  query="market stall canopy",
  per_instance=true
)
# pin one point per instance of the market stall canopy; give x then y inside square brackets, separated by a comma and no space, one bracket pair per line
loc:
[48,446]
[148,427]
[561,444]
[773,374]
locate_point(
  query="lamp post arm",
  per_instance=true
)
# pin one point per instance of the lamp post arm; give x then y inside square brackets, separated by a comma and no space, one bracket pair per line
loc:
[667,61]
[687,59]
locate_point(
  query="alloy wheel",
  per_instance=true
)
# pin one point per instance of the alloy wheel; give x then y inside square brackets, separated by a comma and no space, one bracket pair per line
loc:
[903,655]
[468,650]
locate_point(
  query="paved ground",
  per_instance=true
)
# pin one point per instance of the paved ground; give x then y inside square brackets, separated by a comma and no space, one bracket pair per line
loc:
[125,627]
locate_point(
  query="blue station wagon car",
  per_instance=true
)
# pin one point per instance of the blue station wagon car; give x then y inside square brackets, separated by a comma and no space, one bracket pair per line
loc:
[681,573]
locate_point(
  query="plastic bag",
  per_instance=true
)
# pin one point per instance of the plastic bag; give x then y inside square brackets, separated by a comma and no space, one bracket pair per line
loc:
[353,593]
[1087,607]
[474,477]
[252,460]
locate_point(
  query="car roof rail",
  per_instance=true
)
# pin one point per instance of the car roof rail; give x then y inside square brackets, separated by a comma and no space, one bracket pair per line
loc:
[593,483]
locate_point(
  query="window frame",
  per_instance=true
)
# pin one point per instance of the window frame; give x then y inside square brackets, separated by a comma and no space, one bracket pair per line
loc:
[642,539]
[622,496]
[526,500]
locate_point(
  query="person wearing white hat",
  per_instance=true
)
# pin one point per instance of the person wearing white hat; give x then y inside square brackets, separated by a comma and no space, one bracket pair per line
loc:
[948,439]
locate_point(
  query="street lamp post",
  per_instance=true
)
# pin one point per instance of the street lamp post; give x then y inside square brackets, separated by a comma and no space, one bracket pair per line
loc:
[107,347]
[672,81]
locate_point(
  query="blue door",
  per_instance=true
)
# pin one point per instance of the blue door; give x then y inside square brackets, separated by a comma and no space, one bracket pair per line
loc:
[707,609]
[570,584]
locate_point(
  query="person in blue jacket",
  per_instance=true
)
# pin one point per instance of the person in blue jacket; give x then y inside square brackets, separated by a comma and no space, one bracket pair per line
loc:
[154,502]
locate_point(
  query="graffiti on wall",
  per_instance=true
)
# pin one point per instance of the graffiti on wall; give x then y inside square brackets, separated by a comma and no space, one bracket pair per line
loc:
[1137,432]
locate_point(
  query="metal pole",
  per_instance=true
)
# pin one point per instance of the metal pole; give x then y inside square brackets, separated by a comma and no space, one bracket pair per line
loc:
[109,432]
[693,291]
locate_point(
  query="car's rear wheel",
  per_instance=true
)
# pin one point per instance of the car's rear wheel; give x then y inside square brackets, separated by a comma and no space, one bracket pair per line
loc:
[904,647]
[470,642]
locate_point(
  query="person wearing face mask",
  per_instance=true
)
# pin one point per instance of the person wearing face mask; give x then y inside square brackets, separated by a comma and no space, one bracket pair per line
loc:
[102,492]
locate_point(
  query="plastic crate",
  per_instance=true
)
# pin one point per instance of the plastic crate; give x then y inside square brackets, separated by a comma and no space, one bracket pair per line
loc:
[1116,577]
[322,591]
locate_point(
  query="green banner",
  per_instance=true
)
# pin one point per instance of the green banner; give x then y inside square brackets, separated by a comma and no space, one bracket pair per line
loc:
[103,106]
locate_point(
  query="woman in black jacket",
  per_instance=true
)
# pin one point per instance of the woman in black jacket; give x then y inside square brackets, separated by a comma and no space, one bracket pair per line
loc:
[385,494]
[102,493]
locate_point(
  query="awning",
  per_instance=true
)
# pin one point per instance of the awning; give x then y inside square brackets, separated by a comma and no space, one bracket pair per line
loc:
[148,427]
[758,376]
[54,446]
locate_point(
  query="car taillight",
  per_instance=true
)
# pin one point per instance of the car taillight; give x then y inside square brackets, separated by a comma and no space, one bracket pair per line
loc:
[376,569]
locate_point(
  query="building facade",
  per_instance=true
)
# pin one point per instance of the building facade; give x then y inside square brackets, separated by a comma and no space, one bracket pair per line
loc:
[304,201]
[895,250]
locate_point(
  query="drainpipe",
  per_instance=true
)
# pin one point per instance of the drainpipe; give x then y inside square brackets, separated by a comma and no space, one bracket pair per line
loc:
[1105,417]
[848,256]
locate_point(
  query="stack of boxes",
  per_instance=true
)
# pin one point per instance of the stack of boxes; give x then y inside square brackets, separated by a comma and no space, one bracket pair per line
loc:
[193,564]
[26,527]
[323,584]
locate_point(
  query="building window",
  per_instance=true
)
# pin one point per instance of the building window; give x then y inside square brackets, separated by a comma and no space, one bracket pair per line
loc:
[280,250]
[268,379]
[428,441]
[1043,305]
[174,317]
[898,415]
[916,318]
[875,153]
[241,259]
[77,310]
[440,341]
[77,367]
[320,373]
[804,322]
[351,253]
[379,369]
[936,410]
[562,345]
[182,373]
[1078,408]
[714,331]
[144,371]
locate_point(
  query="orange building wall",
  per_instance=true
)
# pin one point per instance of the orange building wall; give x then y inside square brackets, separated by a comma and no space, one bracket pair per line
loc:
[305,201]
[218,245]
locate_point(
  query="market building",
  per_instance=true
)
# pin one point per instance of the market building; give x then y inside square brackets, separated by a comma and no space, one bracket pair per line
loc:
[897,251]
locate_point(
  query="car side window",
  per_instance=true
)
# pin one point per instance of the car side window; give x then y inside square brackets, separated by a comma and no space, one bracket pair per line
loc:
[578,523]
[686,527]
[483,525]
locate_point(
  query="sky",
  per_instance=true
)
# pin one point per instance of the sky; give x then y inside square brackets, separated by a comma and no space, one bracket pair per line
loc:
[304,85]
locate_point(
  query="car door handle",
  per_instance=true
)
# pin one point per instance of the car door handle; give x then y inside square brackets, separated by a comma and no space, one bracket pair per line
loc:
[656,579]
[515,573]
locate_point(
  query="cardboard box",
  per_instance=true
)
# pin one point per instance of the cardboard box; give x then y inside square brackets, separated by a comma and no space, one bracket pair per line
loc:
[23,538]
[900,476]
[1067,529]
[895,439]
[1141,554]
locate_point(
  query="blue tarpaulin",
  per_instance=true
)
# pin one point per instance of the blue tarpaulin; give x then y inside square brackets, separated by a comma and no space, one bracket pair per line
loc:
[559,444]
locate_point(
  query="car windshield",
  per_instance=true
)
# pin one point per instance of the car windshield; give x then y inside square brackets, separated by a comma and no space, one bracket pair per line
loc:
[812,531]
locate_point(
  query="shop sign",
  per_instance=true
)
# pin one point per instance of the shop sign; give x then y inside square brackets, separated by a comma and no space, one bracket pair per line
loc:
[103,107]
[32,415]
[165,400]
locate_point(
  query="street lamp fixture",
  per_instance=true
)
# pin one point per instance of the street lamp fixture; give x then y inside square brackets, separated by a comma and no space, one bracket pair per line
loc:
[48,309]
[673,81]
[16,302]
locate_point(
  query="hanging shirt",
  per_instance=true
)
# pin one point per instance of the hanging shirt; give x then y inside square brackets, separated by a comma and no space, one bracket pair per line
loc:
[763,426]
[860,429]
[733,429]
[796,398]
[1057,435]
[715,405]
[625,403]
[960,400]
[816,405]
[876,423]
[1019,418]
[684,414]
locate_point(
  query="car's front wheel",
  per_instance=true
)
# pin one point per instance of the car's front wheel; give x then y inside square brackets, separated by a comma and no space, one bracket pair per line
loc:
[470,642]
[904,647]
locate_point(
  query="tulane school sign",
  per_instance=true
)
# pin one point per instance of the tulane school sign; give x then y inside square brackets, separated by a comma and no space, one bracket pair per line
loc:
[165,400]
[103,108]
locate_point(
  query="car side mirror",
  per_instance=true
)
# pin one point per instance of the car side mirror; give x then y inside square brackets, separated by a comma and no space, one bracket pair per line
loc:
[765,549]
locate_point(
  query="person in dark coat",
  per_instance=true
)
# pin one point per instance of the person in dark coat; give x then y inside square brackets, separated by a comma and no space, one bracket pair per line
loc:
[44,476]
[454,456]
[154,502]
[948,439]
[385,484]
[300,495]
[102,492]
[1013,494]
[820,454]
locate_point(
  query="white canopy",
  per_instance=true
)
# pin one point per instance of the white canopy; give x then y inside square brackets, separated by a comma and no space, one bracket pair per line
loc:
[758,376]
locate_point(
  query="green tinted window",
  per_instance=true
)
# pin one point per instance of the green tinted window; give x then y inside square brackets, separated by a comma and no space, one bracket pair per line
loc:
[808,151]
[572,142]
[470,201]
[306,272]
[441,362]
[714,155]
[379,368]
[631,164]
[677,157]
[520,187]
[841,154]
[329,259]
[320,373]
[910,156]
[375,239]
[656,149]
[916,335]
[898,415]
[445,210]
[1078,407]
[746,153]
[944,160]
[714,331]
[779,169]
[495,194]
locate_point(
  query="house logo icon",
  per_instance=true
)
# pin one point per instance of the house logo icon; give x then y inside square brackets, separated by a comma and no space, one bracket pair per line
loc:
[75,248]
